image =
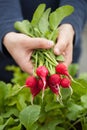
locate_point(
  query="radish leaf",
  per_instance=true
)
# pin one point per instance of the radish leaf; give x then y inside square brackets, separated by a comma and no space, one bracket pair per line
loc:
[37,14]
[44,23]
[24,27]
[57,16]
[60,58]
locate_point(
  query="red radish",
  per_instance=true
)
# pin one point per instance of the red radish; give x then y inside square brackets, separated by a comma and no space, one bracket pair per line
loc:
[54,82]
[62,69]
[65,82]
[54,89]
[32,83]
[42,72]
[40,84]
[35,90]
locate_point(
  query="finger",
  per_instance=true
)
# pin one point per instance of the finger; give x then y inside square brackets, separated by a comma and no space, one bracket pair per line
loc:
[23,60]
[60,45]
[68,55]
[27,67]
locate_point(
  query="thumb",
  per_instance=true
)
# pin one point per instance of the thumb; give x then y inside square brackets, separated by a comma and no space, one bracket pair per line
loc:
[35,43]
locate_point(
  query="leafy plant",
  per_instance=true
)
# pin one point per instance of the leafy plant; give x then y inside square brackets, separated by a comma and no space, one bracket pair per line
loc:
[45,24]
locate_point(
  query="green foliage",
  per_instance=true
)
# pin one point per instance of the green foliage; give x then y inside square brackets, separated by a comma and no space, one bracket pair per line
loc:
[17,113]
[29,116]
[17,74]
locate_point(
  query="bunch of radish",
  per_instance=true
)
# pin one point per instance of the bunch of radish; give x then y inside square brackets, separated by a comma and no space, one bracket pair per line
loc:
[44,80]
[47,70]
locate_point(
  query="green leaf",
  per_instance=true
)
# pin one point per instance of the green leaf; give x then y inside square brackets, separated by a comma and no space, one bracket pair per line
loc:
[1,120]
[9,122]
[73,69]
[10,111]
[51,125]
[43,23]
[51,106]
[3,93]
[58,15]
[84,100]
[66,93]
[83,76]
[15,127]
[79,87]
[74,111]
[34,127]
[84,126]
[17,75]
[54,35]
[60,58]
[21,102]
[29,116]
[60,128]
[37,14]
[24,27]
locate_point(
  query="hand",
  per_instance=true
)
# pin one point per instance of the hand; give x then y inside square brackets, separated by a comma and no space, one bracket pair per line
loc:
[65,43]
[21,47]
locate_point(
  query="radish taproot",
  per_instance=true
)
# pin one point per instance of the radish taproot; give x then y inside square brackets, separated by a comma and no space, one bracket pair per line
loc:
[42,72]
[54,82]
[40,84]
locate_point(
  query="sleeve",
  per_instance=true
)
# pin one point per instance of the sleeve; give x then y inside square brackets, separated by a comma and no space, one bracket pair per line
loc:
[78,18]
[10,11]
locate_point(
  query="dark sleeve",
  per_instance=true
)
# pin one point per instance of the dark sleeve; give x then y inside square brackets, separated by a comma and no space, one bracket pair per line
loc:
[78,18]
[10,11]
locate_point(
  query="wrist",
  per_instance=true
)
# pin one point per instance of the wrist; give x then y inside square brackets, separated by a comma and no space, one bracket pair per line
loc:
[69,27]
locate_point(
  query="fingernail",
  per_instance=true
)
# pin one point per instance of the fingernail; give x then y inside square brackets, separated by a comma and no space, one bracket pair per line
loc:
[50,43]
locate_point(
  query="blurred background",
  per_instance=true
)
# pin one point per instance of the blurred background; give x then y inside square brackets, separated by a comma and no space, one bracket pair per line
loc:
[83,58]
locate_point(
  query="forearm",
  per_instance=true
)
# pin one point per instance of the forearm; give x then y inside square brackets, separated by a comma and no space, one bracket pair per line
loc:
[10,11]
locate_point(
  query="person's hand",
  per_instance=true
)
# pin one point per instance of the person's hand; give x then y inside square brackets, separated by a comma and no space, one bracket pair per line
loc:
[21,47]
[64,43]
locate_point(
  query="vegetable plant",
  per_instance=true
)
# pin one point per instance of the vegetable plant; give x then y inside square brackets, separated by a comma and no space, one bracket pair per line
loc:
[17,112]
